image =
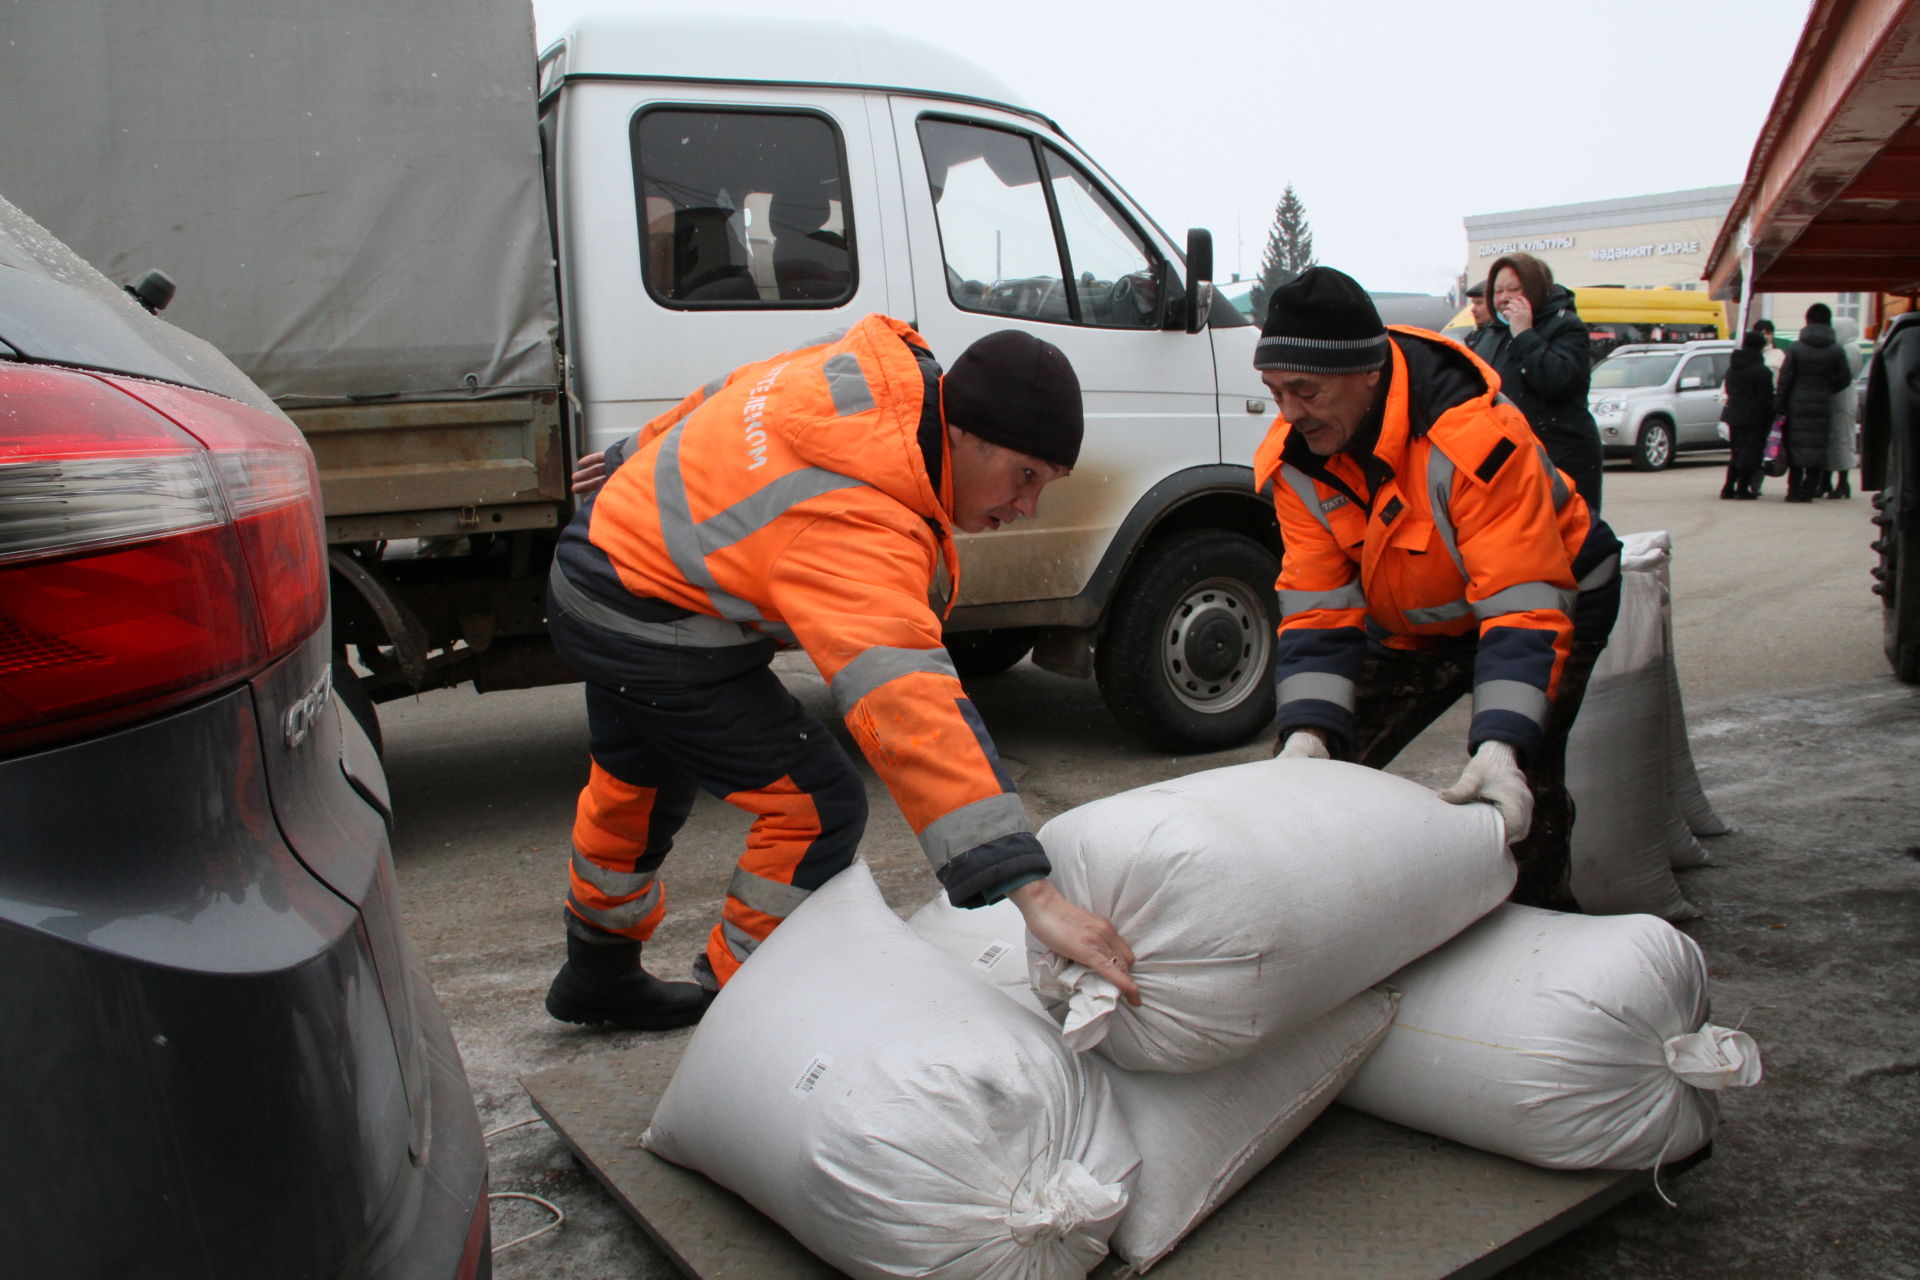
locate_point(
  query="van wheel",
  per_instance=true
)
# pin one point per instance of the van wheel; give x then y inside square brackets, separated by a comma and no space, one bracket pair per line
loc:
[1186,659]
[987,653]
[1653,451]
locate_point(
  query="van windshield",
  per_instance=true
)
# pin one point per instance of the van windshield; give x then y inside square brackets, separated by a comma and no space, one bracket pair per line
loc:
[1648,370]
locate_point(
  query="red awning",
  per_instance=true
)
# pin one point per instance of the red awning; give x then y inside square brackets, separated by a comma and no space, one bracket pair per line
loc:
[1831,199]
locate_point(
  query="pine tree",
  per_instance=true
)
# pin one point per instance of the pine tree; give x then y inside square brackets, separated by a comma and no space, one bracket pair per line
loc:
[1289,250]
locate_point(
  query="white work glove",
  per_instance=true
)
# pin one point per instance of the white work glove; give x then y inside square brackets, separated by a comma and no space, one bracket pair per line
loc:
[1303,744]
[1493,775]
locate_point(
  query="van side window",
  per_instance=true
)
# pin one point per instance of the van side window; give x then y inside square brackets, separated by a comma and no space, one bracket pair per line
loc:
[742,210]
[1011,242]
[1112,274]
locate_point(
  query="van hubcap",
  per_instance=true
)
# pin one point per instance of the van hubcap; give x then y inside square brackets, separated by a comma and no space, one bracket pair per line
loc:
[1217,641]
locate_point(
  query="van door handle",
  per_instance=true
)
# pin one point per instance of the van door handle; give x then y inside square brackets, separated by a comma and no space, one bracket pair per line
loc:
[1256,406]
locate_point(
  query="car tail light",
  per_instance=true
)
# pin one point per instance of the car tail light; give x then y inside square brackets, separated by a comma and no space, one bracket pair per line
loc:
[156,544]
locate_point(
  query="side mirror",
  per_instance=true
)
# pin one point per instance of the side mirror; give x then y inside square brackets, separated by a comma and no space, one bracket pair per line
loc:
[1199,278]
[1692,384]
[154,291]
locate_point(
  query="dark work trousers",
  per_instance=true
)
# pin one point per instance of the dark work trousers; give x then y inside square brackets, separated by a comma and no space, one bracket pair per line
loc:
[1400,693]
[740,736]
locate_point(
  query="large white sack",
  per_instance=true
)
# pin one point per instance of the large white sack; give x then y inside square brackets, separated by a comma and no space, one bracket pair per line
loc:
[1204,1134]
[893,1113]
[1573,1042]
[1256,898]
[1628,827]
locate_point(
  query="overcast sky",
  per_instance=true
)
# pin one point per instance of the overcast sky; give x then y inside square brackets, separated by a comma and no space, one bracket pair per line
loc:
[1393,119]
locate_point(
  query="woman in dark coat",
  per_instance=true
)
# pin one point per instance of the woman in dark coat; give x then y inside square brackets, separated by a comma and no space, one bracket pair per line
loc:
[1540,349]
[1815,369]
[1748,415]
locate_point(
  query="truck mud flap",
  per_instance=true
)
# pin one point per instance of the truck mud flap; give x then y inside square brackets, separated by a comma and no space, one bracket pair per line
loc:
[1354,1198]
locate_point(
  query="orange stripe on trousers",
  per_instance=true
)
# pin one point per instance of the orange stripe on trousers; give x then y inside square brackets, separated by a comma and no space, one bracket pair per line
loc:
[611,825]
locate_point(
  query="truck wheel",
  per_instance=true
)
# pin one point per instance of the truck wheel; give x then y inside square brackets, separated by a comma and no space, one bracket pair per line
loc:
[1185,661]
[1898,576]
[987,653]
[353,696]
[1653,451]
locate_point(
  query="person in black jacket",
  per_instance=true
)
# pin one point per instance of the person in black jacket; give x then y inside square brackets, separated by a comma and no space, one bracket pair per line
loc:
[1748,415]
[1815,369]
[1540,349]
[1482,311]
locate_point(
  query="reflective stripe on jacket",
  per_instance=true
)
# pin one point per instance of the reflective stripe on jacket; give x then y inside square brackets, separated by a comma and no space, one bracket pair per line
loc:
[802,497]
[1456,526]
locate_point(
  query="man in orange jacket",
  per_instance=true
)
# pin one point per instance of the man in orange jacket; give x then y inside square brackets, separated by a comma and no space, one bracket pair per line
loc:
[1431,549]
[810,499]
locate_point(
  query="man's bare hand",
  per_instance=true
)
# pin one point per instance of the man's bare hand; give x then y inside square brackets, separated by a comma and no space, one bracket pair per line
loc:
[589,473]
[1077,934]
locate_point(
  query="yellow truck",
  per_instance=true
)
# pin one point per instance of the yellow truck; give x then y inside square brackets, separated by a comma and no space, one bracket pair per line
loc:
[1616,316]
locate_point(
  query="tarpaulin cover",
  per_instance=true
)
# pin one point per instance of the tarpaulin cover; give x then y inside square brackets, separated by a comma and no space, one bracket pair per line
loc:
[348,196]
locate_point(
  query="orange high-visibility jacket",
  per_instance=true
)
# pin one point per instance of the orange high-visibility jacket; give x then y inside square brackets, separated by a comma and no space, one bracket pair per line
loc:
[1455,525]
[794,499]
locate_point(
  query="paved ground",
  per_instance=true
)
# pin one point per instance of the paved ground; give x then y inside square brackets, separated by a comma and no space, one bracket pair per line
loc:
[1812,906]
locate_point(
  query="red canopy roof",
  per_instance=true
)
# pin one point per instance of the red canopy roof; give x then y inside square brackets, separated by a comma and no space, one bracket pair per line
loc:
[1831,199]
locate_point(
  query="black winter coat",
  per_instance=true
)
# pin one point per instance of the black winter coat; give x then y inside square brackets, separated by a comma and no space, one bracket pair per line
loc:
[1749,408]
[1545,372]
[1816,367]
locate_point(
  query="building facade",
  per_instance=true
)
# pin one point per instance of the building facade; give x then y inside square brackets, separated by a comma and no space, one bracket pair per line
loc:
[1641,242]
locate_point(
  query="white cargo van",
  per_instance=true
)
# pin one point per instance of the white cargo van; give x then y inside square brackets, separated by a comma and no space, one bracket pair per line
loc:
[763,183]
[363,218]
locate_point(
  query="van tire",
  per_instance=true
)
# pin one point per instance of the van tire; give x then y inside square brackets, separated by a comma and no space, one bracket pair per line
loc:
[1653,449]
[988,653]
[1185,661]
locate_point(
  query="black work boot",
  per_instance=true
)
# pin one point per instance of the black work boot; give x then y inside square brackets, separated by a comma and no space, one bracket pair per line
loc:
[602,982]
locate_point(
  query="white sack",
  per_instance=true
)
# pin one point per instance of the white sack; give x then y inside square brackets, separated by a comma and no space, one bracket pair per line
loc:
[1258,897]
[1628,828]
[1573,1042]
[1203,1135]
[895,1115]
[990,941]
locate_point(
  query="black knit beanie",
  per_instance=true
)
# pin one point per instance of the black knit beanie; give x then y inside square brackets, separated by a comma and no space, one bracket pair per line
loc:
[1321,321]
[1014,390]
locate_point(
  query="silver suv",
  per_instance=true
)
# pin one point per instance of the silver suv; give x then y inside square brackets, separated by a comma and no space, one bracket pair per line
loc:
[1653,400]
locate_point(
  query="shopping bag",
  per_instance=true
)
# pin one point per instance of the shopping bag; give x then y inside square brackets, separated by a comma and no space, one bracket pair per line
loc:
[1774,460]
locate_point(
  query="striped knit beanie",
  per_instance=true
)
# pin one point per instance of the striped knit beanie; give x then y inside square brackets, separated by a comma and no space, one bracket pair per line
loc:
[1321,321]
